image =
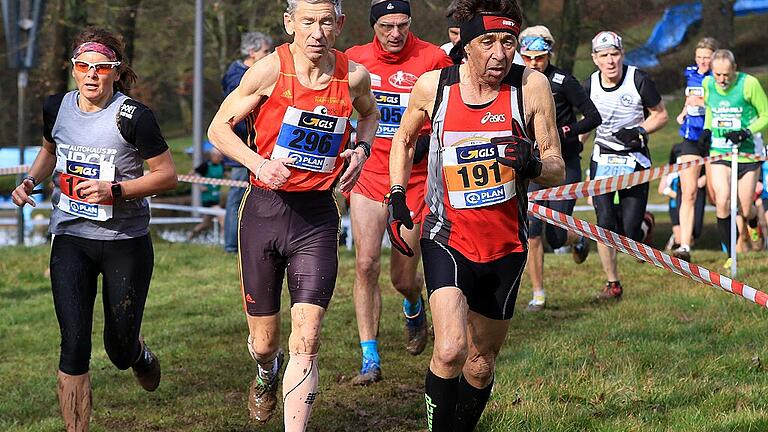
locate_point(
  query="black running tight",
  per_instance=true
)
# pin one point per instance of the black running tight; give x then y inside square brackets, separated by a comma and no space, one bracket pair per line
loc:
[126,267]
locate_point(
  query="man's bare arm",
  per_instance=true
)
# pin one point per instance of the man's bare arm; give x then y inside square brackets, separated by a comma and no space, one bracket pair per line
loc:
[657,118]
[256,85]
[364,102]
[367,123]
[419,110]
[540,112]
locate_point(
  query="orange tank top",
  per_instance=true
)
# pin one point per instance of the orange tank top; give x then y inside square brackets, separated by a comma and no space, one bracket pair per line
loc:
[310,126]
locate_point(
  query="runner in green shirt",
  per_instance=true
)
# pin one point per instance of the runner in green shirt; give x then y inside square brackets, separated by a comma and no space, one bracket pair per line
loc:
[736,112]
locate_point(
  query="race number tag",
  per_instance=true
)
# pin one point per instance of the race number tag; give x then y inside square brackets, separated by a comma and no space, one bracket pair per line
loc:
[694,91]
[614,166]
[312,139]
[730,123]
[391,106]
[73,201]
[473,177]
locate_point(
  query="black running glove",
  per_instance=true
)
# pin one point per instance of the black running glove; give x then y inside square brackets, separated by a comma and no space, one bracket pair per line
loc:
[399,215]
[739,136]
[634,138]
[421,149]
[705,140]
[519,155]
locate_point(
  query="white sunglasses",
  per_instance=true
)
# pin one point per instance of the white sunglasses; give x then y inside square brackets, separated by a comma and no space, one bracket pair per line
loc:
[102,68]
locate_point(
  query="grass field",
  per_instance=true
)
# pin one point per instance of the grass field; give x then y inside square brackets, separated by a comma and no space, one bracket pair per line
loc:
[671,356]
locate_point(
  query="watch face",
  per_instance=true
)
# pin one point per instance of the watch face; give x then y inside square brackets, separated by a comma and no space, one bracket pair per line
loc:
[117,191]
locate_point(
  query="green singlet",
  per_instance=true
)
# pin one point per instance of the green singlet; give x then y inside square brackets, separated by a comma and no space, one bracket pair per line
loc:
[742,105]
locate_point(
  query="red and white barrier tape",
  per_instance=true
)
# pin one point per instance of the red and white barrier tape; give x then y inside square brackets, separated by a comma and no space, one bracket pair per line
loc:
[19,169]
[612,184]
[648,254]
[212,181]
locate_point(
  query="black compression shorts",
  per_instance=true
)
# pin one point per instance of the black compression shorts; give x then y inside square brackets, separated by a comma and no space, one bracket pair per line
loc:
[490,288]
[688,147]
[744,168]
[627,217]
[297,232]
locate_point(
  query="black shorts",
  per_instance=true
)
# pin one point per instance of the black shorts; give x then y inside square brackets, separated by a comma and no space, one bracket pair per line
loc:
[293,231]
[689,147]
[556,237]
[744,168]
[490,288]
[627,217]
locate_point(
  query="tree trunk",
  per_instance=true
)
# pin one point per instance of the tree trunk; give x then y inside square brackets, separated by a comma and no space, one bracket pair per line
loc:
[569,35]
[124,21]
[717,20]
[72,18]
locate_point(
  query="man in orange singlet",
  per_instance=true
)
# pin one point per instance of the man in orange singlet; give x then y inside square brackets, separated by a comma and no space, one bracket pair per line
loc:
[297,102]
[395,59]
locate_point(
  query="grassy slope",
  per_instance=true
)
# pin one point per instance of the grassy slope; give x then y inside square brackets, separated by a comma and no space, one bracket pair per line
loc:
[673,355]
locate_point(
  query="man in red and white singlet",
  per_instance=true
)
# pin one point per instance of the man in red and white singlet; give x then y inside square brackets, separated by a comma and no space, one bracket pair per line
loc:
[395,59]
[485,115]
[297,102]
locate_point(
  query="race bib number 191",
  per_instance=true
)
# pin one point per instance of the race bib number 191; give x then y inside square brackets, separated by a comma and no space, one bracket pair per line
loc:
[474,178]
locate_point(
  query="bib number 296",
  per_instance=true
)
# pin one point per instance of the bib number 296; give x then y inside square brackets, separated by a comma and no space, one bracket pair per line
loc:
[310,141]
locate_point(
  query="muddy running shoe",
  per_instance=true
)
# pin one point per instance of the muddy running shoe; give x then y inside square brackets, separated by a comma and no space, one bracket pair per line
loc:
[416,332]
[262,396]
[579,251]
[369,374]
[147,369]
[537,303]
[611,291]
[682,254]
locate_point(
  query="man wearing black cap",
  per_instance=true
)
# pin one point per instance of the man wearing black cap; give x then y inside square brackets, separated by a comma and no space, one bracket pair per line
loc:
[395,59]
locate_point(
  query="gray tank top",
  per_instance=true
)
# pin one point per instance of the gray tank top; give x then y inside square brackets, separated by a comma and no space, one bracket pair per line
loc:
[89,146]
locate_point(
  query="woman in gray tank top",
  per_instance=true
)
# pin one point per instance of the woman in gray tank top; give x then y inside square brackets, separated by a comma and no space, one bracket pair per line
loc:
[95,142]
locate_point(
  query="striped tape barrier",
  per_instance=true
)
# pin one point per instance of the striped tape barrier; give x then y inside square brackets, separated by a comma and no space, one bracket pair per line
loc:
[212,181]
[648,254]
[598,187]
[19,169]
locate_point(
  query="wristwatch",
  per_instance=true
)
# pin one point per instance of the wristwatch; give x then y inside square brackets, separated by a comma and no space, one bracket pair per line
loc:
[117,190]
[366,148]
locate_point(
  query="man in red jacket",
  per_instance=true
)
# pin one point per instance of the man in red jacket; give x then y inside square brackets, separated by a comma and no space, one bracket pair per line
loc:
[395,59]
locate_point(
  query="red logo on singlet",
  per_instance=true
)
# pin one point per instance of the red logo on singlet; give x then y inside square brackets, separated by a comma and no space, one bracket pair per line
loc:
[403,80]
[249,299]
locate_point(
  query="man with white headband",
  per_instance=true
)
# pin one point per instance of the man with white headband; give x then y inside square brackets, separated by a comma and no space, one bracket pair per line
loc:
[622,95]
[536,48]
[486,114]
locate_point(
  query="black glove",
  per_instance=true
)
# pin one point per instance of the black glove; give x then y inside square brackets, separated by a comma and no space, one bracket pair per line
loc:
[421,149]
[399,215]
[519,155]
[634,138]
[739,136]
[705,140]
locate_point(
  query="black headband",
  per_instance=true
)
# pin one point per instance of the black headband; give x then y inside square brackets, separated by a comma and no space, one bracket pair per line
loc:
[484,23]
[389,7]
